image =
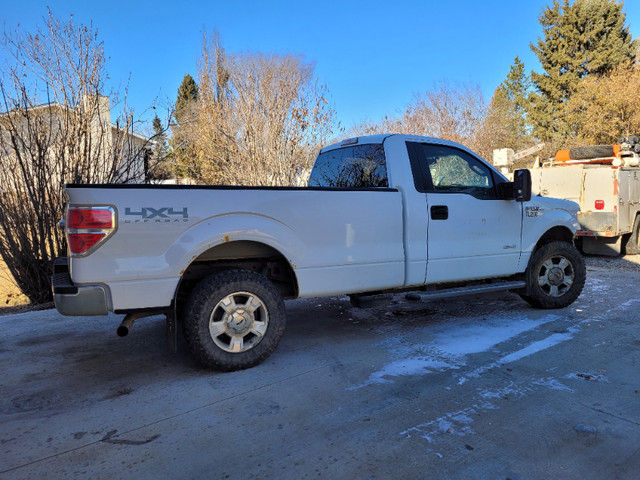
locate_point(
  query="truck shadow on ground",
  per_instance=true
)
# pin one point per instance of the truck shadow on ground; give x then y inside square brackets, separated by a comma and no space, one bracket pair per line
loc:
[62,368]
[53,370]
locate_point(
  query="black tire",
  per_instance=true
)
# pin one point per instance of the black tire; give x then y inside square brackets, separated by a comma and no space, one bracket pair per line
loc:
[555,276]
[632,140]
[633,242]
[234,320]
[591,151]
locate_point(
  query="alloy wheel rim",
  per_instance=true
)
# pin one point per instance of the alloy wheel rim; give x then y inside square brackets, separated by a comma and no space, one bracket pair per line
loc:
[238,322]
[556,276]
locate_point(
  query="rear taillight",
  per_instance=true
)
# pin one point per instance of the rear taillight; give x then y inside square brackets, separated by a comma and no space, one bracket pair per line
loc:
[88,227]
[83,242]
[599,204]
[89,218]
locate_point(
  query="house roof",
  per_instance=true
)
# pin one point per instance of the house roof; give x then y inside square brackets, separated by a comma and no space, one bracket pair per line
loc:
[59,106]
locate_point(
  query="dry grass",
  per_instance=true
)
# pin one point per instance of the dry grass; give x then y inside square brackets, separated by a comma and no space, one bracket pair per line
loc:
[10,295]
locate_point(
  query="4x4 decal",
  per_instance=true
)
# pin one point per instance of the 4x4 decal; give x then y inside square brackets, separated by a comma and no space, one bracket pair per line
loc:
[157,215]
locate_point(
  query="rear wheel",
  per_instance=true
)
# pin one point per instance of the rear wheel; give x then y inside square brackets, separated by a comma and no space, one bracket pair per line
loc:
[633,243]
[555,276]
[234,319]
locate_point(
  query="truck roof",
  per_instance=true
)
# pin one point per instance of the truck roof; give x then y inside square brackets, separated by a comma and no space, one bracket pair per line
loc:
[380,138]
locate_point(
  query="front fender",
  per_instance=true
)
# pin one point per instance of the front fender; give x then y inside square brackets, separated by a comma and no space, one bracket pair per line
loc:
[542,214]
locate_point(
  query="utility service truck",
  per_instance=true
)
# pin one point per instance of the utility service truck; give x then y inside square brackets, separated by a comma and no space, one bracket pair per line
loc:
[605,181]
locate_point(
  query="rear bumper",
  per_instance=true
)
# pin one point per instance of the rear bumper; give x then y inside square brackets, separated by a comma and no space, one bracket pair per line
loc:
[598,224]
[76,300]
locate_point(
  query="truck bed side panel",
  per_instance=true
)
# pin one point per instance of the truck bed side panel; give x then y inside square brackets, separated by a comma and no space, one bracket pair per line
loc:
[336,241]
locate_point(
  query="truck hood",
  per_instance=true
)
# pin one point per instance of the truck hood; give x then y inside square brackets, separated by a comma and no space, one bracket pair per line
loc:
[564,209]
[558,212]
[554,204]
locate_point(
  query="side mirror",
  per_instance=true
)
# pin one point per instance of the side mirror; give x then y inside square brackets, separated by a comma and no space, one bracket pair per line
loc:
[522,185]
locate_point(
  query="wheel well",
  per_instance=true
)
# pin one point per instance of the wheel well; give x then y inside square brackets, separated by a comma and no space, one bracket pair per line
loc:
[245,255]
[555,234]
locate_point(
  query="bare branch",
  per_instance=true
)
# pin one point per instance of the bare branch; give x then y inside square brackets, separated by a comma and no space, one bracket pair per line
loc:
[55,128]
[259,120]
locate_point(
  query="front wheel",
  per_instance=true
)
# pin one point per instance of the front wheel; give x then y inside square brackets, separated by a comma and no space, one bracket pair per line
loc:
[555,276]
[234,319]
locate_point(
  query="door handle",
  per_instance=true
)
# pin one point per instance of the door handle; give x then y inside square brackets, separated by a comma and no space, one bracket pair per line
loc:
[439,212]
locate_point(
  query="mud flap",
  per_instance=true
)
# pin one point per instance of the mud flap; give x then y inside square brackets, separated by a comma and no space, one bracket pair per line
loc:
[611,246]
[172,329]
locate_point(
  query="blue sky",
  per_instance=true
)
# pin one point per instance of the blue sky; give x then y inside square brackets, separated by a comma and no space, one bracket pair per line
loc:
[374,56]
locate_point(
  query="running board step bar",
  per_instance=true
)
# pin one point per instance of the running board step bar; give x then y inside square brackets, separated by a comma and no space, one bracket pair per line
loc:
[460,291]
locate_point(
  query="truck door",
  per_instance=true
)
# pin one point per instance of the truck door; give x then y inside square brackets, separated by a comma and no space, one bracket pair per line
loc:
[471,232]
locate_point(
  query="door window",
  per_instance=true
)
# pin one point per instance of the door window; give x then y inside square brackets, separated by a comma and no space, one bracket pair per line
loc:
[449,170]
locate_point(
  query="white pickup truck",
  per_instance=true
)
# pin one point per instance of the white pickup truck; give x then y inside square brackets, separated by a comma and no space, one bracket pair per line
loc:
[380,213]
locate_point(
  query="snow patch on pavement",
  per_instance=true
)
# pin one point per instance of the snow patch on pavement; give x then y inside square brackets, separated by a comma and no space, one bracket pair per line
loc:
[597,285]
[509,391]
[536,347]
[405,366]
[454,423]
[481,336]
[553,384]
[453,342]
[459,423]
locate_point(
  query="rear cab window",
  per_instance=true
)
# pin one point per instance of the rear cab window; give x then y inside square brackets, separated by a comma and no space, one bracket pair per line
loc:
[359,166]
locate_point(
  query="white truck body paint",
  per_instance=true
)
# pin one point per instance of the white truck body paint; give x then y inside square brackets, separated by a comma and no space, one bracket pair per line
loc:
[337,241]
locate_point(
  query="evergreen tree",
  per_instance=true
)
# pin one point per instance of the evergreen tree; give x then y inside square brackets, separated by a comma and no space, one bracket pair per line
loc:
[586,37]
[505,124]
[157,167]
[188,93]
[161,139]
[183,152]
[515,90]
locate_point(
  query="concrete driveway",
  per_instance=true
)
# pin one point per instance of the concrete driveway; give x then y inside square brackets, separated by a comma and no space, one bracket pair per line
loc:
[475,387]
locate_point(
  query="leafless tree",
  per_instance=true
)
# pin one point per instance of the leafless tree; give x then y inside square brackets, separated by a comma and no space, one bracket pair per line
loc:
[260,119]
[55,128]
[452,113]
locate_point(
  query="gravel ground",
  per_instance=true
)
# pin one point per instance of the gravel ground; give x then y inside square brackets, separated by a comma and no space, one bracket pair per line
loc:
[630,263]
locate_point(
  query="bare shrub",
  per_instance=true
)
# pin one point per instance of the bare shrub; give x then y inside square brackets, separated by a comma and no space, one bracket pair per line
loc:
[259,120]
[55,129]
